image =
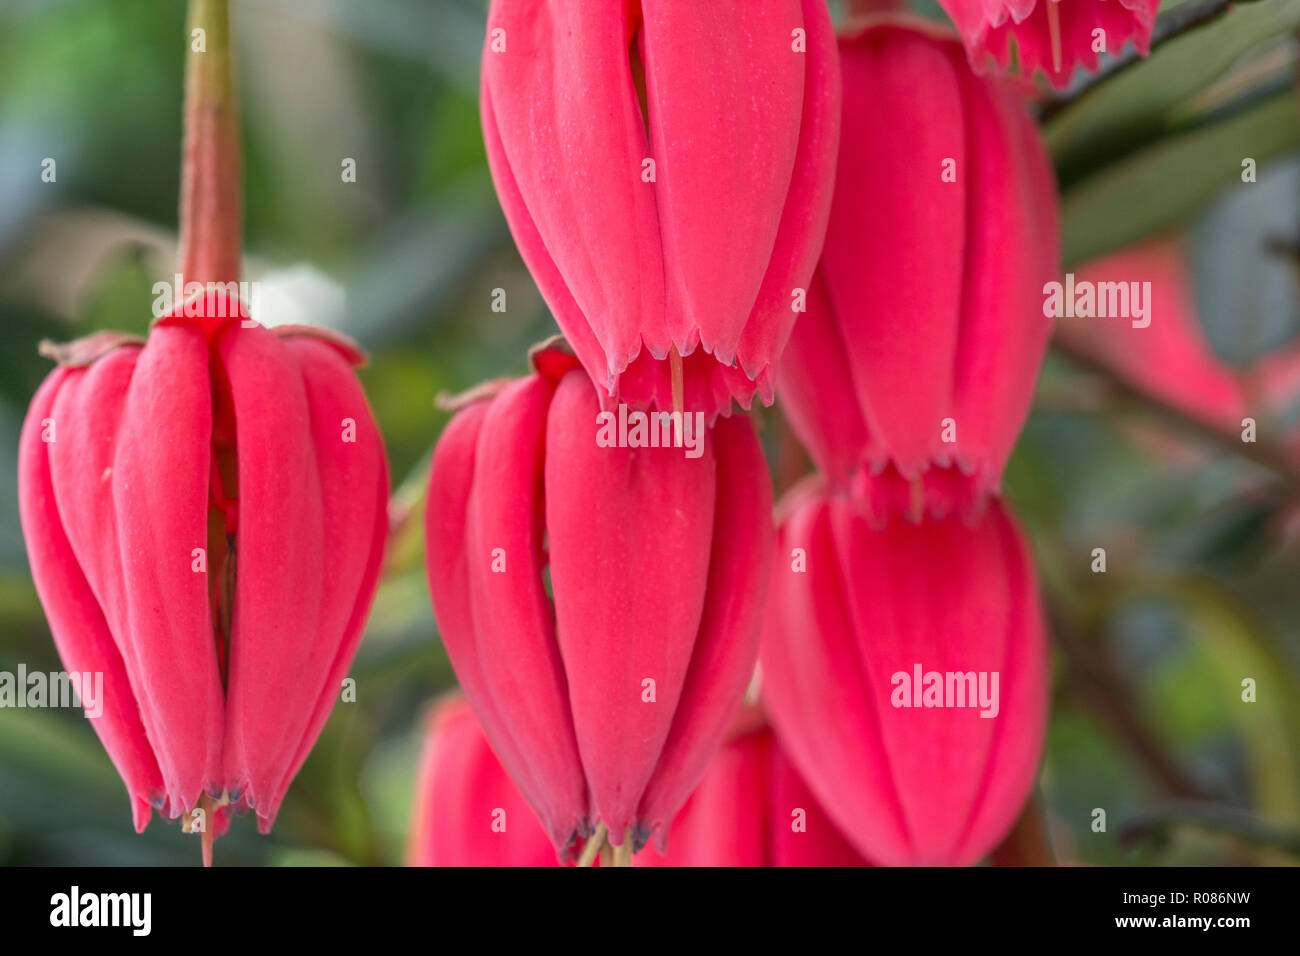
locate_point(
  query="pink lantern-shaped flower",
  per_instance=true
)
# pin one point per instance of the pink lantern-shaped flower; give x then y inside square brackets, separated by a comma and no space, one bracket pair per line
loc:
[666,170]
[606,700]
[750,809]
[905,673]
[911,374]
[205,513]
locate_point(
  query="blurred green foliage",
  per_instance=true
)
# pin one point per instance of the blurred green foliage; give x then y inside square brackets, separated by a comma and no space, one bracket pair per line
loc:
[1149,658]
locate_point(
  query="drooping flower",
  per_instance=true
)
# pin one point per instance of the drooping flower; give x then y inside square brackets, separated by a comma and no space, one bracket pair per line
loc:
[205,515]
[904,671]
[753,809]
[1054,36]
[1164,352]
[912,372]
[666,170]
[750,808]
[466,810]
[606,701]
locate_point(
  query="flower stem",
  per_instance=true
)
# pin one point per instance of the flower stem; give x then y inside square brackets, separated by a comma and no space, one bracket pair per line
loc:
[675,370]
[1054,30]
[209,807]
[211,204]
[1267,454]
[623,853]
[1027,844]
[592,846]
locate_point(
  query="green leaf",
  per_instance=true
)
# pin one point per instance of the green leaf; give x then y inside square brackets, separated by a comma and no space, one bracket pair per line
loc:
[1137,105]
[1157,188]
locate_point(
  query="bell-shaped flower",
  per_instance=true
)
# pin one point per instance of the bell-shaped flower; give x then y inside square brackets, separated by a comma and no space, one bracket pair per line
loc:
[905,674]
[753,809]
[911,374]
[599,596]
[205,515]
[466,810]
[750,809]
[1054,36]
[666,170]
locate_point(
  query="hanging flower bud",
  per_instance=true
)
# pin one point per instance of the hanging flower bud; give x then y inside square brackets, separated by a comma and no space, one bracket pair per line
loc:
[911,374]
[666,169]
[622,686]
[904,671]
[205,515]
[1054,36]
[467,811]
[750,809]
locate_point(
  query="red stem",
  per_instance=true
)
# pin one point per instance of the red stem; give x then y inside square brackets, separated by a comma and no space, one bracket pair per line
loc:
[211,207]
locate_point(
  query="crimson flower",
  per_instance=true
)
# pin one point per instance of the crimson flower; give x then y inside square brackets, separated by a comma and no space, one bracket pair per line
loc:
[1054,36]
[205,515]
[666,170]
[905,673]
[911,374]
[600,605]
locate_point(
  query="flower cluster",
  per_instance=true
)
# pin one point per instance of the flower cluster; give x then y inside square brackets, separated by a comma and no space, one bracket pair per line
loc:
[718,201]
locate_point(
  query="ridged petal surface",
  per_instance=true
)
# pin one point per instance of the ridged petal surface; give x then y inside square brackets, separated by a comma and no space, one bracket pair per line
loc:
[722,660]
[77,622]
[908,785]
[630,532]
[130,475]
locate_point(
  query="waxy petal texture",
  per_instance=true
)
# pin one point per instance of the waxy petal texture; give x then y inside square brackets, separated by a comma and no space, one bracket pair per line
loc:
[605,702]
[559,794]
[753,809]
[129,474]
[721,661]
[205,516]
[308,566]
[635,146]
[629,566]
[750,808]
[81,633]
[911,373]
[467,811]
[909,778]
[1054,36]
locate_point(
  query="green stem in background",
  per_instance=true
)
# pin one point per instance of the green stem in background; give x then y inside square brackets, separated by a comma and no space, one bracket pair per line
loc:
[1169,26]
[1027,844]
[1096,682]
[862,8]
[1158,823]
[211,202]
[1267,455]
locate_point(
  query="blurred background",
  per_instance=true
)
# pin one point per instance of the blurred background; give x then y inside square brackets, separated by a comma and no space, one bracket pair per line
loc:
[1134,444]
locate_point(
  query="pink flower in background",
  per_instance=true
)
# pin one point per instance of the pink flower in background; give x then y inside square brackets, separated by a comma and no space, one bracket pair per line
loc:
[1054,36]
[205,515]
[912,372]
[750,809]
[606,701]
[1169,356]
[753,809]
[467,811]
[666,170]
[859,622]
